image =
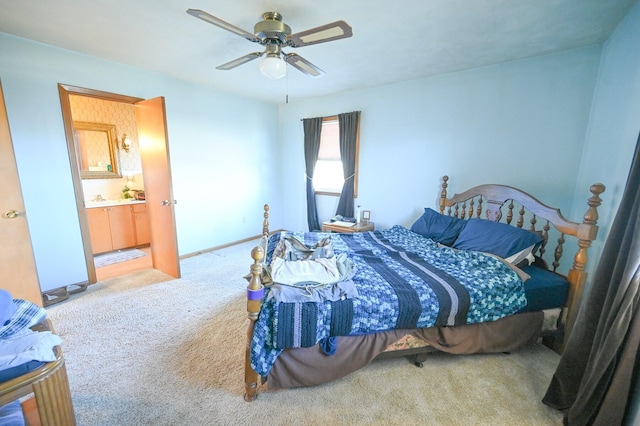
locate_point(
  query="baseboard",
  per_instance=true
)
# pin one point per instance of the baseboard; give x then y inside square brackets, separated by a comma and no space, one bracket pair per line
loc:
[209,250]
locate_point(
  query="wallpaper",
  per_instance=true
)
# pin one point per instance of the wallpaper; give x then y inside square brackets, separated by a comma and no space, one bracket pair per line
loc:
[123,117]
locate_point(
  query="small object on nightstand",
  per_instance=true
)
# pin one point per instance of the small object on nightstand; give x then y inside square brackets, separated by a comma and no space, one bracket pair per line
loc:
[366,216]
[343,223]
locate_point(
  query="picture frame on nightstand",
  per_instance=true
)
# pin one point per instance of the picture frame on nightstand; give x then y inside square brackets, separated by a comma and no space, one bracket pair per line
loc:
[366,216]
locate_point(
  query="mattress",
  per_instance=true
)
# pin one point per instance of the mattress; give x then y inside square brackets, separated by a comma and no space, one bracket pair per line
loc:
[544,290]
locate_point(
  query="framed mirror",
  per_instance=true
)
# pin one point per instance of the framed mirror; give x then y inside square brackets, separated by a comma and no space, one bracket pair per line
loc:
[97,150]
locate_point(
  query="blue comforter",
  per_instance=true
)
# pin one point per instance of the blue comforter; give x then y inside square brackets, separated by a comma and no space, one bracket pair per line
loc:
[403,281]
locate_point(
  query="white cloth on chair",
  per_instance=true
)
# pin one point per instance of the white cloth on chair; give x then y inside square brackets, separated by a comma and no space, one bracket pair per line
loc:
[27,345]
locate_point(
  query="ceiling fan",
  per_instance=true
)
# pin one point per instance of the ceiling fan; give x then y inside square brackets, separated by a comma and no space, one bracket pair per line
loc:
[274,35]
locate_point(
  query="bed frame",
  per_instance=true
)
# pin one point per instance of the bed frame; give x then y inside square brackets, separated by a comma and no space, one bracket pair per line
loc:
[484,201]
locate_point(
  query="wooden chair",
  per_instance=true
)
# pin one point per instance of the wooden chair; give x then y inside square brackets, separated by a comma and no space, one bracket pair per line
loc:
[50,386]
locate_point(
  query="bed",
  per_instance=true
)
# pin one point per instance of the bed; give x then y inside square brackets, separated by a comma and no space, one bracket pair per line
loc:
[481,275]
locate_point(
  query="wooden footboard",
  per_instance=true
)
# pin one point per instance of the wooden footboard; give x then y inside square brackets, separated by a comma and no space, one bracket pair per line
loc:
[255,293]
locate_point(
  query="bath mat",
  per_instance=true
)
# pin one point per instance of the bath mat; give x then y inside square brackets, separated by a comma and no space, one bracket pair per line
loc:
[116,257]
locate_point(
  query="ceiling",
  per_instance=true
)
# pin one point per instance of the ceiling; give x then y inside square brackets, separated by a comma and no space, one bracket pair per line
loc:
[393,41]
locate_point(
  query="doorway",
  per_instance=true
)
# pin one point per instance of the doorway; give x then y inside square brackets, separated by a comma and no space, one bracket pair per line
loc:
[149,124]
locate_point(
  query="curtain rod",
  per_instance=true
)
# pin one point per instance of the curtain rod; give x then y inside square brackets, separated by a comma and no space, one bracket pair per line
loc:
[329,116]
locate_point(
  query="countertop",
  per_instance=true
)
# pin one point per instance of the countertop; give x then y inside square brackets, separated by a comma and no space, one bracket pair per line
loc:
[108,203]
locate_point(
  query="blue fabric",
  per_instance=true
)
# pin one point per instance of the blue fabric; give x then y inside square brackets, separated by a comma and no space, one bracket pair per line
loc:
[27,315]
[440,228]
[494,237]
[7,307]
[11,414]
[409,308]
[453,297]
[19,370]
[494,291]
[341,317]
[329,345]
[545,289]
[297,327]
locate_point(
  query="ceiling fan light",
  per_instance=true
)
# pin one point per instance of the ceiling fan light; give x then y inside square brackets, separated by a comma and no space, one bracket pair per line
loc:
[273,67]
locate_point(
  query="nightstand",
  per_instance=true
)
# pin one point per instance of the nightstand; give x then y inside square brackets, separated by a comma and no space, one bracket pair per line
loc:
[358,227]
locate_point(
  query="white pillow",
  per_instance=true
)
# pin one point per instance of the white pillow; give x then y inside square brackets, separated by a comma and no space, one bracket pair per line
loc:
[519,258]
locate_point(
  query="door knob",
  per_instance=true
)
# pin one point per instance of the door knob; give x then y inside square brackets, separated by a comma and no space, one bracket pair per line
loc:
[12,214]
[168,202]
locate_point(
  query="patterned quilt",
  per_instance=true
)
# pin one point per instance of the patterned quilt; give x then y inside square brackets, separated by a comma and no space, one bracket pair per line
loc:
[403,281]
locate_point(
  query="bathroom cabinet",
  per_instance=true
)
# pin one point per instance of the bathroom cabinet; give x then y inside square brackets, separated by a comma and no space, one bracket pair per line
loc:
[115,227]
[111,228]
[141,223]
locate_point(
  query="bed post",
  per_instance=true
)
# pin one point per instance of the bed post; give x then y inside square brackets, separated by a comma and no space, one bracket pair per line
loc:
[577,276]
[265,222]
[255,292]
[443,193]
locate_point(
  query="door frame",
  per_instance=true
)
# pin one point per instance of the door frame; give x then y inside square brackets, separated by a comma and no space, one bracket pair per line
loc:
[65,90]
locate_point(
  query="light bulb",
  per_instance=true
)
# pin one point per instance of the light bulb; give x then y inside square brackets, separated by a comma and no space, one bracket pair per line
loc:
[273,67]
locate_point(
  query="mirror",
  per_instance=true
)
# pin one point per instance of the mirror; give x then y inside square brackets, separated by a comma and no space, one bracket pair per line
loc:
[96,150]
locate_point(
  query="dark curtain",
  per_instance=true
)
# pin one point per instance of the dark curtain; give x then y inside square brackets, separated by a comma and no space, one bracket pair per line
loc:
[599,366]
[312,128]
[348,124]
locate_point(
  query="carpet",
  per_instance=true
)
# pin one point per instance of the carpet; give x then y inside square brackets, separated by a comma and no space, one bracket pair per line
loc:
[105,259]
[147,349]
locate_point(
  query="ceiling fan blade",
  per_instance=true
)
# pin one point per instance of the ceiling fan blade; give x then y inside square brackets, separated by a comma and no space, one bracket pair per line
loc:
[303,65]
[241,60]
[329,32]
[223,24]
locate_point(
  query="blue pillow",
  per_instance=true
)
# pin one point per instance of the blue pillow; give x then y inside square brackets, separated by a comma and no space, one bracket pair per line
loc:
[440,228]
[494,237]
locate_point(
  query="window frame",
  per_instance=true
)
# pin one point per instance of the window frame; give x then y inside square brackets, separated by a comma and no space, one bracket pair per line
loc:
[357,161]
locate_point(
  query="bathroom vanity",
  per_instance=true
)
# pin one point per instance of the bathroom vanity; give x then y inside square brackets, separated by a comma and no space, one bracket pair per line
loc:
[117,224]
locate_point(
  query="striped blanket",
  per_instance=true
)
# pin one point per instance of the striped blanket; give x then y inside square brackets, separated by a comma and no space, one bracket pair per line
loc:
[403,280]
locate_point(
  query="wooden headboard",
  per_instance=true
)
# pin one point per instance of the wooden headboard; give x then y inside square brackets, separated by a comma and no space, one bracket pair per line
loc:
[488,202]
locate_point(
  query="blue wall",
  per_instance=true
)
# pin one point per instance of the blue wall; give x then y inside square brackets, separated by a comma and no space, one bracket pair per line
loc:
[214,137]
[520,123]
[614,122]
[613,128]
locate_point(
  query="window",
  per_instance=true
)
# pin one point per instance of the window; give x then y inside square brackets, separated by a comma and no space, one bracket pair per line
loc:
[328,175]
